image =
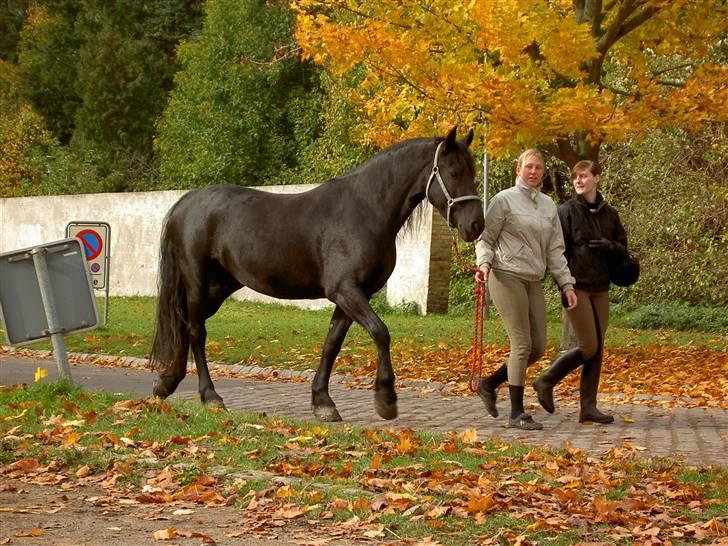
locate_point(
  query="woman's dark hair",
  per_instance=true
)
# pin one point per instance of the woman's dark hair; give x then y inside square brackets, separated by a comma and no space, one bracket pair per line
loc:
[584,164]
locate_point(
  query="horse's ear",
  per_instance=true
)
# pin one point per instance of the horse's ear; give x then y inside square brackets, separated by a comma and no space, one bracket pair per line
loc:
[450,139]
[468,140]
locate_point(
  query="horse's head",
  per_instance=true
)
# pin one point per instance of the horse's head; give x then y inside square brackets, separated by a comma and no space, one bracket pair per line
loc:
[451,186]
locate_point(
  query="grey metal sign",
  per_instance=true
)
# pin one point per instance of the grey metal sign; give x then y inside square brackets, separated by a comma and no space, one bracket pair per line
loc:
[23,305]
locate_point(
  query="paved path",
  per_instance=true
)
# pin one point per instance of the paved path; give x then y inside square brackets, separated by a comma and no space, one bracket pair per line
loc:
[697,436]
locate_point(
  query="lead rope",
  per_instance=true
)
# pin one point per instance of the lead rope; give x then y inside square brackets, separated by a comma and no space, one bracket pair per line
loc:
[481,302]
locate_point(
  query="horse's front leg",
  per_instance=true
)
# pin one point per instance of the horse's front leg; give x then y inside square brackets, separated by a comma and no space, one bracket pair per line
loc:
[321,403]
[198,336]
[356,305]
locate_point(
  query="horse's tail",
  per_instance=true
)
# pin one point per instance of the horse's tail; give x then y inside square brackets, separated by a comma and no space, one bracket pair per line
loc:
[171,338]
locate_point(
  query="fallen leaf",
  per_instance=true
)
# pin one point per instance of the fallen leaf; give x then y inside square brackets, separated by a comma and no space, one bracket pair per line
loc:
[165,534]
[33,533]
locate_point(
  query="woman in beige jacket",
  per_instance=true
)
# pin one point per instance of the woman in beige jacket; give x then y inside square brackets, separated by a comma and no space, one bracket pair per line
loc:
[521,240]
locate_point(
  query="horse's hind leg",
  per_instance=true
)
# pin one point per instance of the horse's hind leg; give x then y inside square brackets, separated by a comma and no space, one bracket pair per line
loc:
[198,337]
[322,404]
[356,305]
[198,312]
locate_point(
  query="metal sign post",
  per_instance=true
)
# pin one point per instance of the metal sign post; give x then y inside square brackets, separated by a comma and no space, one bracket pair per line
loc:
[49,304]
[95,237]
[45,291]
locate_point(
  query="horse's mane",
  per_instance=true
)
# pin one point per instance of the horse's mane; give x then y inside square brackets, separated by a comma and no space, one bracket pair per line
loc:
[414,221]
[384,154]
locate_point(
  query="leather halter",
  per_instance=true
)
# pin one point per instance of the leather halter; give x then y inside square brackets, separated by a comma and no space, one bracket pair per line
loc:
[435,174]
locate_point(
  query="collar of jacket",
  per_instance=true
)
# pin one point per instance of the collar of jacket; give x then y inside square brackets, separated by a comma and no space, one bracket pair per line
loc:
[600,202]
[531,192]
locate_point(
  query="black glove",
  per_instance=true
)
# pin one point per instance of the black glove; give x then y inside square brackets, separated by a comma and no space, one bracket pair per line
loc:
[602,244]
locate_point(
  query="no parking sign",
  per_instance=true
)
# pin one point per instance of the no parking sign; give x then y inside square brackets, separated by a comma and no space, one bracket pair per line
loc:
[94,237]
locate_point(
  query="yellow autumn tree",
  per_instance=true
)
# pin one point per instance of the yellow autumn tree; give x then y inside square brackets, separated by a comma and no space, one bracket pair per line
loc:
[567,75]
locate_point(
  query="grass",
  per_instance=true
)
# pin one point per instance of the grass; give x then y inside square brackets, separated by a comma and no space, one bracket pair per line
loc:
[288,337]
[405,484]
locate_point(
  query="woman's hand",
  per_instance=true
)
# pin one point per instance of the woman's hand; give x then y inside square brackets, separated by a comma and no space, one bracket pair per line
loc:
[481,275]
[571,299]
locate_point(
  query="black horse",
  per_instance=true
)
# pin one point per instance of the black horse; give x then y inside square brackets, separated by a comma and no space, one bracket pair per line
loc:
[335,241]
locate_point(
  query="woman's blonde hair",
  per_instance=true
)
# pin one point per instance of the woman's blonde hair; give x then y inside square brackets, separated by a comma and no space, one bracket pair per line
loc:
[529,153]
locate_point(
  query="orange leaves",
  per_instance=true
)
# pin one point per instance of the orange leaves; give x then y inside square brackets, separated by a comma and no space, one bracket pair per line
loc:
[689,376]
[171,533]
[407,442]
[480,504]
[534,71]
[30,534]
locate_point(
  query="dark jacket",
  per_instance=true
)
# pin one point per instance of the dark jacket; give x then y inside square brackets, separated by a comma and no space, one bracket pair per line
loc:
[580,224]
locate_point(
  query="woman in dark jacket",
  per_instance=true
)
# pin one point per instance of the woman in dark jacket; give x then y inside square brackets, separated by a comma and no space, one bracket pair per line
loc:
[592,234]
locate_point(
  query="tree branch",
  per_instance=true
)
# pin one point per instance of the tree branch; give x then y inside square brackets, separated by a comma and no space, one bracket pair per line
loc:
[562,149]
[671,83]
[440,16]
[618,91]
[637,20]
[671,68]
[394,71]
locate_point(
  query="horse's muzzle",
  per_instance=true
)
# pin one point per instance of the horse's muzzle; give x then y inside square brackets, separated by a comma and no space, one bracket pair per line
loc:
[470,222]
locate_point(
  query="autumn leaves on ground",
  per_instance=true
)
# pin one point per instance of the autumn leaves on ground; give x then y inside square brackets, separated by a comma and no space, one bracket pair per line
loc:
[77,467]
[684,376]
[180,473]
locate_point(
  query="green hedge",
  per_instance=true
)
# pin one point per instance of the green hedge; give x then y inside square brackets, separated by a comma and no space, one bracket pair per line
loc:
[677,316]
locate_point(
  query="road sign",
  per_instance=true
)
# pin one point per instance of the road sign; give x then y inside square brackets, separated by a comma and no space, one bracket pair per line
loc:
[92,243]
[32,279]
[94,237]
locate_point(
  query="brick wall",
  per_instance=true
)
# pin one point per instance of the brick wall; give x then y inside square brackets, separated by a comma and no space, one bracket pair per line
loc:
[438,285]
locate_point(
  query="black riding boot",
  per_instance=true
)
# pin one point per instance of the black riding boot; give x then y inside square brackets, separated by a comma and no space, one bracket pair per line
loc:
[489,385]
[545,383]
[519,418]
[588,392]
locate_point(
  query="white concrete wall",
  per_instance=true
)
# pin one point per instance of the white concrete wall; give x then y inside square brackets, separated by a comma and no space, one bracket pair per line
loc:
[136,223]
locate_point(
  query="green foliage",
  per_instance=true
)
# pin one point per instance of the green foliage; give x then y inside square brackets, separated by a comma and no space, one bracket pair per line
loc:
[99,73]
[11,21]
[244,106]
[334,151]
[671,195]
[381,306]
[125,69]
[677,316]
[48,58]
[21,132]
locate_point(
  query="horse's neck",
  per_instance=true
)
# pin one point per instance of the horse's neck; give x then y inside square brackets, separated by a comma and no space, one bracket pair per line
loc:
[399,181]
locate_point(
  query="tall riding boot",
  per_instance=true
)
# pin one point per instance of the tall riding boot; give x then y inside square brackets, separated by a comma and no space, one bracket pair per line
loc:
[519,418]
[545,383]
[588,389]
[488,386]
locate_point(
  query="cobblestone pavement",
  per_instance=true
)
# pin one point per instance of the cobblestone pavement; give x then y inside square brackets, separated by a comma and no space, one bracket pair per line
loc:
[695,435]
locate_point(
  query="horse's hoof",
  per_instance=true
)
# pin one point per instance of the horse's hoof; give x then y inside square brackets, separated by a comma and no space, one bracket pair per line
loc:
[385,410]
[213,401]
[216,405]
[327,413]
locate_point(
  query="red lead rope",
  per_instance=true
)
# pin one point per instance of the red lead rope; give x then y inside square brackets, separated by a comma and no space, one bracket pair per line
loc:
[481,301]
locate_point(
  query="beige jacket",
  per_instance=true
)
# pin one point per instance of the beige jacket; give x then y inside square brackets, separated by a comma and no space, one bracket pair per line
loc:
[523,236]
